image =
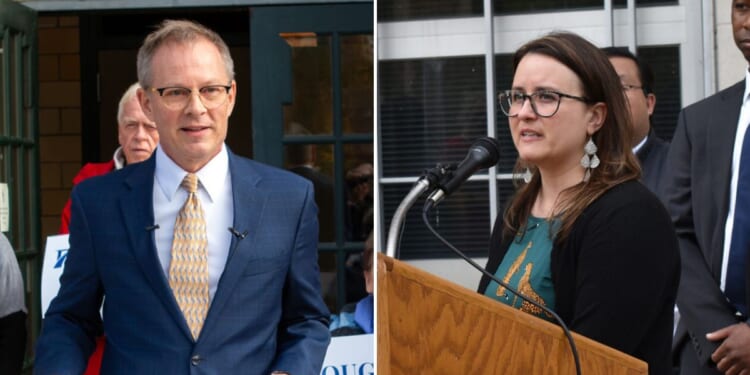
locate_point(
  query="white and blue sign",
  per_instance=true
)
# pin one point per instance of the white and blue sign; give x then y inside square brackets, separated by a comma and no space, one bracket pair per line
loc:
[350,355]
[55,254]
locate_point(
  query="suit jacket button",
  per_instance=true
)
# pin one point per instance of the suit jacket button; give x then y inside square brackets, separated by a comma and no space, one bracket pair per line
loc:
[195,360]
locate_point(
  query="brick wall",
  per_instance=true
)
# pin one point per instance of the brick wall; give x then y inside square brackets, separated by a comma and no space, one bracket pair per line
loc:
[59,114]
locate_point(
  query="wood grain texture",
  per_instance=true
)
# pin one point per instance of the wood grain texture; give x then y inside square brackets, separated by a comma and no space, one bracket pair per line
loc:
[426,325]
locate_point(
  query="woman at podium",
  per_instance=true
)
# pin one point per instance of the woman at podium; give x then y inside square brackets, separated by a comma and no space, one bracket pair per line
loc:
[582,236]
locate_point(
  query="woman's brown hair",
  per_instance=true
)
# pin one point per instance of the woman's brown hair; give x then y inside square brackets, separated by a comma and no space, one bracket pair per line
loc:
[618,164]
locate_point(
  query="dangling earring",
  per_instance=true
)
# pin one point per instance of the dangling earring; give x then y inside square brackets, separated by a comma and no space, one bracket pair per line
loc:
[589,160]
[527,175]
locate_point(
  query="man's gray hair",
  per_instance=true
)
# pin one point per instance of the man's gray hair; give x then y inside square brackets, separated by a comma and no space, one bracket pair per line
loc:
[178,31]
[129,94]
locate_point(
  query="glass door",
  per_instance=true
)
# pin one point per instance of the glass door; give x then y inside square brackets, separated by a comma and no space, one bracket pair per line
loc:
[312,83]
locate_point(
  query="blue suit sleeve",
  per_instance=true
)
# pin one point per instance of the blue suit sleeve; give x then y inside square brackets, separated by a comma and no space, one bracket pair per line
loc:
[72,321]
[303,334]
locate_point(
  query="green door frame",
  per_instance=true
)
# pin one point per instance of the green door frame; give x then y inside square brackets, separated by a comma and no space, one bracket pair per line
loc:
[19,151]
[271,81]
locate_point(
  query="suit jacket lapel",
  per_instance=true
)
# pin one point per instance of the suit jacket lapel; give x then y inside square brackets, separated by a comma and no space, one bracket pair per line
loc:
[249,202]
[719,132]
[138,213]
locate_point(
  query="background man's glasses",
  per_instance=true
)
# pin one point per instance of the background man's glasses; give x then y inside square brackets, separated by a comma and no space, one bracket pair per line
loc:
[178,97]
[631,87]
[544,103]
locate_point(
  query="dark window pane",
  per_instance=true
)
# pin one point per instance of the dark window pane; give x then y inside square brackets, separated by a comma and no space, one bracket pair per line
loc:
[402,10]
[431,112]
[463,219]
[315,163]
[312,84]
[356,83]
[638,3]
[395,10]
[526,6]
[358,181]
[665,62]
[328,276]
[505,190]
[504,80]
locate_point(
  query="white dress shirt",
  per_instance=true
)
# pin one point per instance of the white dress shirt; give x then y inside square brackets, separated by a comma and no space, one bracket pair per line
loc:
[639,146]
[215,195]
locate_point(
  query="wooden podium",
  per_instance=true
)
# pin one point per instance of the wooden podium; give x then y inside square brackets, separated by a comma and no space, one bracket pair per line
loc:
[426,325]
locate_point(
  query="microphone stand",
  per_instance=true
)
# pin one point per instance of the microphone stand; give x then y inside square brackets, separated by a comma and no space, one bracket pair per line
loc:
[429,179]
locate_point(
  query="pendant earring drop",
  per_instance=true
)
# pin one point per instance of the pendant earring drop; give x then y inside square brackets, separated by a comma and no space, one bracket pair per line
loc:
[527,175]
[589,160]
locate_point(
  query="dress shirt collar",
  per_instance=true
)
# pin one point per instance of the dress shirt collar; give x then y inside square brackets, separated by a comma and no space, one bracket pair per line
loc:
[639,146]
[211,177]
[119,158]
[747,86]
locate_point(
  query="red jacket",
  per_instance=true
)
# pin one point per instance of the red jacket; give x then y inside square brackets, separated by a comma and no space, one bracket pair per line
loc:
[89,170]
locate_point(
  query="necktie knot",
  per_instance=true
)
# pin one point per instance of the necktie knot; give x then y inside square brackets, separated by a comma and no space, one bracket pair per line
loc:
[190,183]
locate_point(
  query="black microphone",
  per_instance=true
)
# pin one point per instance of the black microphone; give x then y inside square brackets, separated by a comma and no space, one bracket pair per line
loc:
[484,153]
[238,234]
[152,228]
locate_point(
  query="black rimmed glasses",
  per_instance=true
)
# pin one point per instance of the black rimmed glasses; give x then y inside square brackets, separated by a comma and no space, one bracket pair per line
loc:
[211,96]
[626,87]
[545,103]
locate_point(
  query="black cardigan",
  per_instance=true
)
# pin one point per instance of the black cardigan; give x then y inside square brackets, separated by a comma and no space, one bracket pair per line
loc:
[616,276]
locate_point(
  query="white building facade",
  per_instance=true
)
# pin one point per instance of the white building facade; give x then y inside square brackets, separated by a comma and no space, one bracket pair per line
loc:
[441,64]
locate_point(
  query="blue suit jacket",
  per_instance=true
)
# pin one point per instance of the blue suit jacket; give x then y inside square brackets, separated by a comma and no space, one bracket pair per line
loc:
[267,313]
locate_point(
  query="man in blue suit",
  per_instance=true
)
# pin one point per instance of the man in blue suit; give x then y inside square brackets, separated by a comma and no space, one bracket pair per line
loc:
[259,275]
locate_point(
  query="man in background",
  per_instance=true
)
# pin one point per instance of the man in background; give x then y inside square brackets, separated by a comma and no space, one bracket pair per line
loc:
[707,191]
[638,84]
[137,136]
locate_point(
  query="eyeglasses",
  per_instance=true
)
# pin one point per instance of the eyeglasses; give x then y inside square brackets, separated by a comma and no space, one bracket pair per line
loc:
[178,97]
[545,103]
[631,87]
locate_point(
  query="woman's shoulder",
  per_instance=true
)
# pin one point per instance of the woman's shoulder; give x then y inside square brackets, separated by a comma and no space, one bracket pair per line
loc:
[626,193]
[628,200]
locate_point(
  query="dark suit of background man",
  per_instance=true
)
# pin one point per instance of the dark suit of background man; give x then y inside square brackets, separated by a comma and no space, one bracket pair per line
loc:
[703,191]
[638,84]
[266,313]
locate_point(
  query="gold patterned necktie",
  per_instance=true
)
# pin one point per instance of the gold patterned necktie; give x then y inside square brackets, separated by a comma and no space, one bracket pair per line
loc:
[188,268]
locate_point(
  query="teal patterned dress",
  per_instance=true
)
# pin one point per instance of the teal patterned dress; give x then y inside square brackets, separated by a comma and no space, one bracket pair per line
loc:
[526,267]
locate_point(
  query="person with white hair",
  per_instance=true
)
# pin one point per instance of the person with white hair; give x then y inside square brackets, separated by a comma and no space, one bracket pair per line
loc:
[137,136]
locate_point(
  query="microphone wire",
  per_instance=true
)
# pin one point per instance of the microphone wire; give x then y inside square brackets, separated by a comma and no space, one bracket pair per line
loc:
[427,207]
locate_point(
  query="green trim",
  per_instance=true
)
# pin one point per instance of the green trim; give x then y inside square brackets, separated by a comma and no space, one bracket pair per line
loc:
[17,141]
[17,17]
